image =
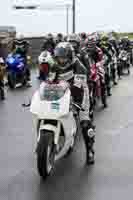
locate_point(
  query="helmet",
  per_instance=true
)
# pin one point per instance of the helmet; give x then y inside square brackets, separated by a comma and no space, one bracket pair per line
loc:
[64,51]
[19,36]
[48,42]
[50,36]
[91,41]
[43,57]
[74,39]
[104,37]
[83,36]
[59,37]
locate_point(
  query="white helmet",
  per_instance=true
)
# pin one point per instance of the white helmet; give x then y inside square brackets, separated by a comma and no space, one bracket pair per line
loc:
[19,36]
[45,57]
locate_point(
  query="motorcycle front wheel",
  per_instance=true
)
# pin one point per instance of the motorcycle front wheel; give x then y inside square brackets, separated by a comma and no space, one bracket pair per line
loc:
[45,154]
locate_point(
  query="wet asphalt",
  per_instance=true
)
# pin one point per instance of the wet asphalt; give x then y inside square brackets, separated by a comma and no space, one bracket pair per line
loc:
[110,178]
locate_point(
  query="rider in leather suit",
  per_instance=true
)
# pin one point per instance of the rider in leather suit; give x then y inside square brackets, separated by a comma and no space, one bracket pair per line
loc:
[96,55]
[21,46]
[66,67]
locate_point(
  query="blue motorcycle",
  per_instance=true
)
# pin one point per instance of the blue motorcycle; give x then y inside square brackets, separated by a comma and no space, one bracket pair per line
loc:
[16,70]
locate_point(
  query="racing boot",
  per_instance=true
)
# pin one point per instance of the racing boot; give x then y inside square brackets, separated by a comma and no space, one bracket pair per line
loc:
[109,91]
[88,131]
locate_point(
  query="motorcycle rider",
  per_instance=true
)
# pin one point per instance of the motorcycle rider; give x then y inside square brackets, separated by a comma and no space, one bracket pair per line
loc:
[83,37]
[47,47]
[2,70]
[96,56]
[66,67]
[114,43]
[115,66]
[112,52]
[45,60]
[81,53]
[48,43]
[21,46]
[107,59]
[126,45]
[59,38]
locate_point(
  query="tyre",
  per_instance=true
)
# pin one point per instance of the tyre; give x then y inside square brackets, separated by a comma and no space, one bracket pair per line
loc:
[45,154]
[11,80]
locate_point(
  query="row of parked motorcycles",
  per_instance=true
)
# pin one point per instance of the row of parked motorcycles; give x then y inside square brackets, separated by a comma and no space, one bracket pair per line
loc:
[16,68]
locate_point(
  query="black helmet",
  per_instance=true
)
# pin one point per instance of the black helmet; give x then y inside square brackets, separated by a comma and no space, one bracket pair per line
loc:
[59,37]
[45,43]
[48,42]
[83,35]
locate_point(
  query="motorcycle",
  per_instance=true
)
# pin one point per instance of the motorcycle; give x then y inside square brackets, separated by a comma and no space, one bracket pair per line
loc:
[97,85]
[16,70]
[58,124]
[124,61]
[107,68]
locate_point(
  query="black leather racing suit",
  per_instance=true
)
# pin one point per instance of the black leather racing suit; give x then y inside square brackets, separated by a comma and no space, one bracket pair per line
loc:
[80,96]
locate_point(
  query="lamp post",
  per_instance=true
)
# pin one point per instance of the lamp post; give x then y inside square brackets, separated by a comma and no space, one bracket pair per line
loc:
[74,15]
[47,7]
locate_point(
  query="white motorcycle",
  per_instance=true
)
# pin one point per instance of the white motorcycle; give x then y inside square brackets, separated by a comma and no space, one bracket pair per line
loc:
[58,123]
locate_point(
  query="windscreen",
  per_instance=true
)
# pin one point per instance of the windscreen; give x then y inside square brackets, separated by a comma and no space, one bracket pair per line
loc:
[52,92]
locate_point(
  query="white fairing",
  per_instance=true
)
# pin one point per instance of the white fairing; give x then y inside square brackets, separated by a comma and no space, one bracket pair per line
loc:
[43,109]
[44,56]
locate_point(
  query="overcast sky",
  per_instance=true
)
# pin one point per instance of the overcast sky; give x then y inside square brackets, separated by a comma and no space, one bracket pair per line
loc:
[91,15]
